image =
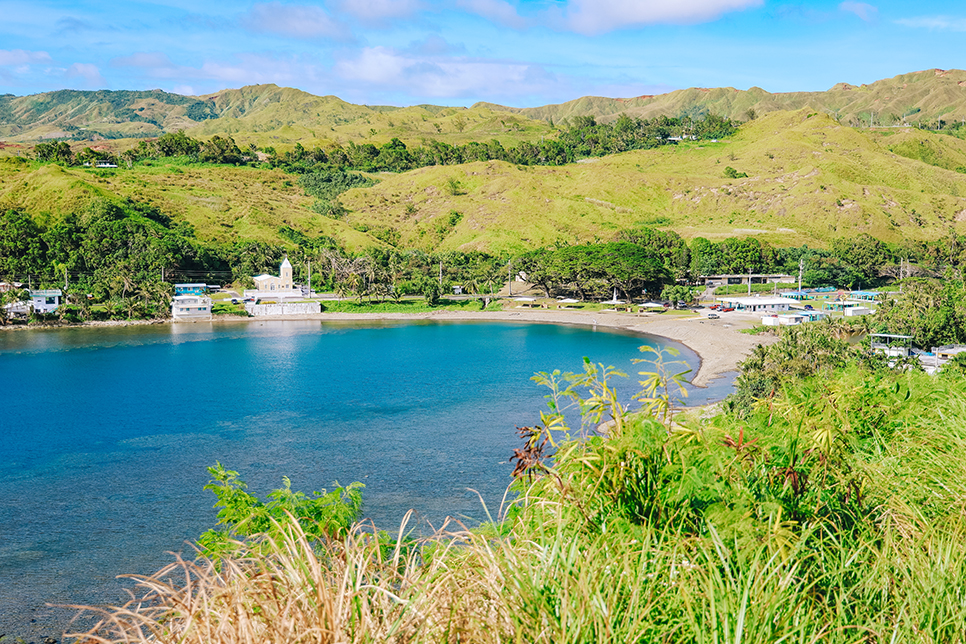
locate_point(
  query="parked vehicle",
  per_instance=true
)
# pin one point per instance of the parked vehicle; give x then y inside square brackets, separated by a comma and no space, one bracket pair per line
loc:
[713,316]
[727,309]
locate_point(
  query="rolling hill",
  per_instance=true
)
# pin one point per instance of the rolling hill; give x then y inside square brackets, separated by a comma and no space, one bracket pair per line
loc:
[809,180]
[268,115]
[909,98]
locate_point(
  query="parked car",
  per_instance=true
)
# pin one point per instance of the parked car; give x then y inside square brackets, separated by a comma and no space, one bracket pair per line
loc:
[727,309]
[713,316]
[715,307]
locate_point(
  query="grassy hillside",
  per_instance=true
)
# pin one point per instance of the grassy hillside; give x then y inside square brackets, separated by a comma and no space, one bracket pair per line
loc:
[222,203]
[809,180]
[919,96]
[273,116]
[268,115]
[110,114]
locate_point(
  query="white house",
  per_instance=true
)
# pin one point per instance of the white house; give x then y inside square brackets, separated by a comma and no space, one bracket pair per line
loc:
[891,345]
[787,319]
[757,304]
[756,278]
[190,307]
[269,286]
[46,301]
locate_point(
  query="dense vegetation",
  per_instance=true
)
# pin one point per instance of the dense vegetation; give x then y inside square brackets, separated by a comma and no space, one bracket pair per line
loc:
[117,260]
[585,137]
[828,509]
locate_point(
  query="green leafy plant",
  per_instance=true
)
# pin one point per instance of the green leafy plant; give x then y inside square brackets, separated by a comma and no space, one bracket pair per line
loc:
[322,515]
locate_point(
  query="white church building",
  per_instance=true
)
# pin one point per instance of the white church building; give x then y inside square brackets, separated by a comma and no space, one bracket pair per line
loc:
[271,287]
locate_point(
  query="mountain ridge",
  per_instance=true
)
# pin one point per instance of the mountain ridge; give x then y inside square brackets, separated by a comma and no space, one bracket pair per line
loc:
[268,114]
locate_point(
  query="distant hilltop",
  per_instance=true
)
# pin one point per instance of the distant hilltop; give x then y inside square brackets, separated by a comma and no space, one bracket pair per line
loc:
[269,112]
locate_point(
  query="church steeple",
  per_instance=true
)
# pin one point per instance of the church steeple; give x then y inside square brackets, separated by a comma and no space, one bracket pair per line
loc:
[285,274]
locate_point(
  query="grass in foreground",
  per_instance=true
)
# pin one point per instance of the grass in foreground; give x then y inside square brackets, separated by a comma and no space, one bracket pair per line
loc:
[831,512]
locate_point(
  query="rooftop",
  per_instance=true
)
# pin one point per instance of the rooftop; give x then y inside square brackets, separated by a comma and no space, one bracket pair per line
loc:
[757,301]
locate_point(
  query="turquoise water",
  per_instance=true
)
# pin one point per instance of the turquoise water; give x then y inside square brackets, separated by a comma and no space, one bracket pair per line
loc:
[107,433]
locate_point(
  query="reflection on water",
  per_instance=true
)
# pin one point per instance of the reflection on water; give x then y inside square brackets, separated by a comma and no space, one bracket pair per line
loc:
[108,432]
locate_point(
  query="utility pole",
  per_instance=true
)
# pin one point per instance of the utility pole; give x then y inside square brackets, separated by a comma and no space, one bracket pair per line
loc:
[65,279]
[310,278]
[509,280]
[801,268]
[440,273]
[749,281]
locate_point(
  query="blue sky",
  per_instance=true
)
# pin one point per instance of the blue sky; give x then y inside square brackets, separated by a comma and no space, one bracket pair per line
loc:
[514,52]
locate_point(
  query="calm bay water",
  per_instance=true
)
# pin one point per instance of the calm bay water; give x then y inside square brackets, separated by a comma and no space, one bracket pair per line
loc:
[105,434]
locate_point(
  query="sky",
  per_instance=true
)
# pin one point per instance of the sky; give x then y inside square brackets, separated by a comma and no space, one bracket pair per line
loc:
[521,53]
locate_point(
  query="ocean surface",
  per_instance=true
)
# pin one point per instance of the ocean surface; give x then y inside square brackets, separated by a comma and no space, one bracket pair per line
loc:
[106,433]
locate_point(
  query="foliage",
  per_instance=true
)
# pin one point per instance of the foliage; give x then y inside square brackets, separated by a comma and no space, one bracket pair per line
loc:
[623,265]
[58,152]
[321,515]
[830,511]
[932,311]
[800,352]
[679,293]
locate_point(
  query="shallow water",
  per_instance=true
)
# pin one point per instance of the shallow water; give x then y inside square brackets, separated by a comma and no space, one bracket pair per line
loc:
[107,433]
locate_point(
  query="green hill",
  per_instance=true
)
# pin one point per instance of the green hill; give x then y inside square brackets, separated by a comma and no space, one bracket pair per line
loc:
[104,114]
[268,115]
[224,204]
[271,116]
[809,180]
[909,98]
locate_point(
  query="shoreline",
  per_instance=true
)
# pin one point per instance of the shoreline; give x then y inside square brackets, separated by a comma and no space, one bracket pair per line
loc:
[717,343]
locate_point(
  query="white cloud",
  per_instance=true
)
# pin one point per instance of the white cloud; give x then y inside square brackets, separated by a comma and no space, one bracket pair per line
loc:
[295,21]
[143,59]
[387,69]
[936,23]
[593,17]
[435,45]
[380,10]
[23,57]
[89,74]
[498,11]
[244,69]
[866,12]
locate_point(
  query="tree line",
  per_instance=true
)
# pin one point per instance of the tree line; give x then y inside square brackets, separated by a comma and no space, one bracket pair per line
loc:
[583,137]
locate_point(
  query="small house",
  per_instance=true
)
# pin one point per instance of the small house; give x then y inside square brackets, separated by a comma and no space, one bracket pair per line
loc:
[191,307]
[757,304]
[891,344]
[46,301]
[736,279]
